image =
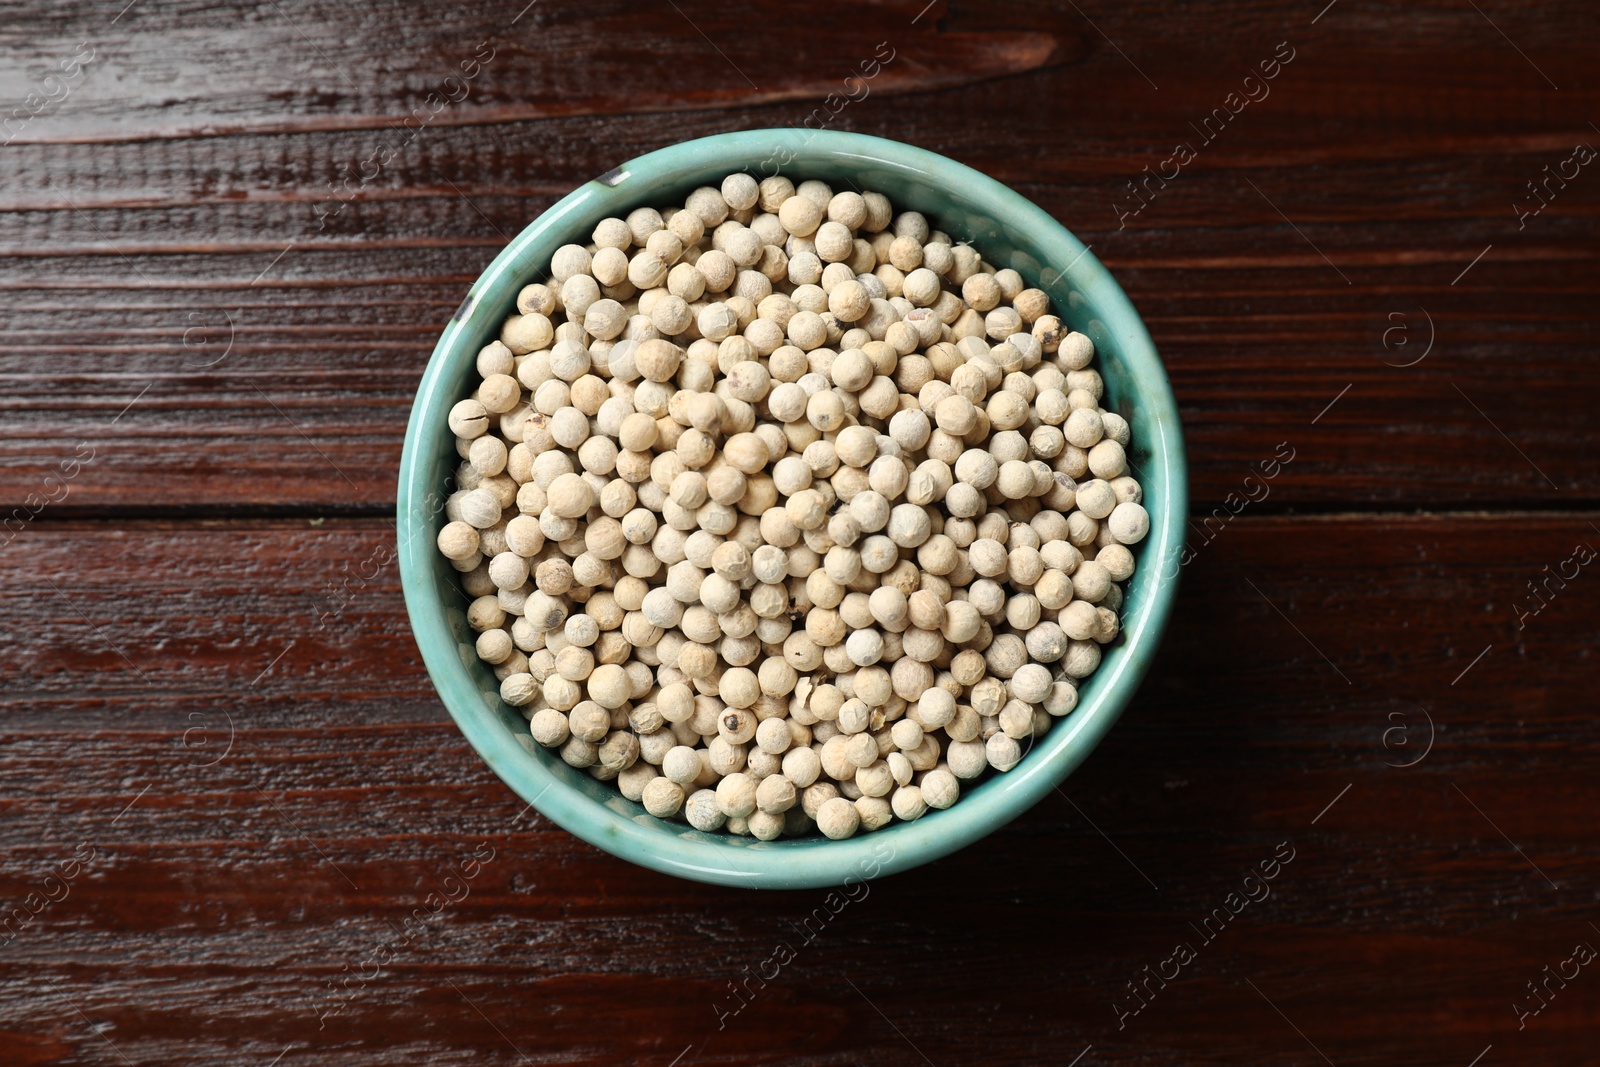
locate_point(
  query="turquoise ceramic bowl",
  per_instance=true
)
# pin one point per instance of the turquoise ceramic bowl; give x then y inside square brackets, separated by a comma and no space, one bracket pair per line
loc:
[1010,232]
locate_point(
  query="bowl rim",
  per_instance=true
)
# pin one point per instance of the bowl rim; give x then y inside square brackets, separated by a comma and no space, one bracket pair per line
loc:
[805,862]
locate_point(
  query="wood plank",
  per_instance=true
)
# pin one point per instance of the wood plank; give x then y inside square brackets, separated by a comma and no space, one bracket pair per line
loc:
[266,797]
[299,394]
[225,894]
[161,617]
[173,243]
[149,75]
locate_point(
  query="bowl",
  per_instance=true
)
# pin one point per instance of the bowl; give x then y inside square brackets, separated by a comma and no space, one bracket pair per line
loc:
[1009,231]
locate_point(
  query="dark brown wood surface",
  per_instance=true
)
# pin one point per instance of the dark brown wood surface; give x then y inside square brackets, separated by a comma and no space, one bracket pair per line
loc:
[243,800]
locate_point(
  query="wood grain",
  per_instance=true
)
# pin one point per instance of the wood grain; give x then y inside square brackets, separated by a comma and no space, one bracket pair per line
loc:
[293,817]
[216,737]
[171,239]
[333,68]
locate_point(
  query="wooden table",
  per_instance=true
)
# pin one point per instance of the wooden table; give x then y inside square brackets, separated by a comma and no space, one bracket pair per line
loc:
[232,234]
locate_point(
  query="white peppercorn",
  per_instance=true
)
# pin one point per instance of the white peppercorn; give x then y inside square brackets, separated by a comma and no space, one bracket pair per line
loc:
[875,812]
[939,788]
[767,434]
[775,794]
[662,798]
[1129,522]
[838,818]
[1081,659]
[1004,752]
[967,759]
[702,811]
